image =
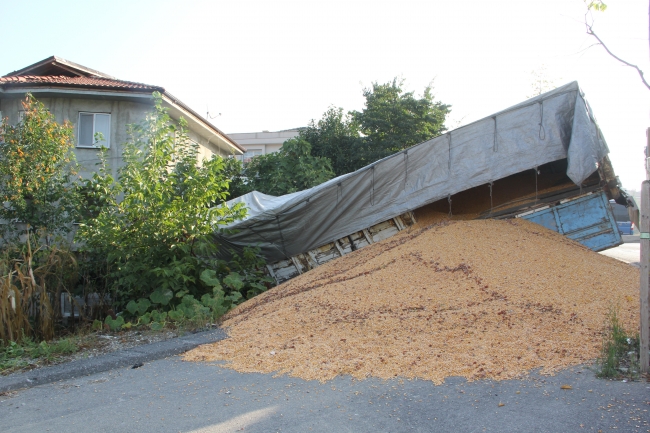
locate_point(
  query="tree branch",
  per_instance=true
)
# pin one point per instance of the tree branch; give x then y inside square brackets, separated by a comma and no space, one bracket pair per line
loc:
[591,32]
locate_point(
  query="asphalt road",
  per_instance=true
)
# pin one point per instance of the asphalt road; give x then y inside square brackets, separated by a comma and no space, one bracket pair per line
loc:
[170,395]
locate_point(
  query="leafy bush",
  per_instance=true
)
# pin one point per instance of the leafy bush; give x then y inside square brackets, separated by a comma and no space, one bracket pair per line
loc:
[229,283]
[37,167]
[154,225]
[147,235]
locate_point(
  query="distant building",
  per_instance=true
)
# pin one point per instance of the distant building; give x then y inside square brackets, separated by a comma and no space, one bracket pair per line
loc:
[96,102]
[261,143]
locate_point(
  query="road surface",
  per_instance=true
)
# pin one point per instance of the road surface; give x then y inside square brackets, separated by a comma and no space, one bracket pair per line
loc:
[170,395]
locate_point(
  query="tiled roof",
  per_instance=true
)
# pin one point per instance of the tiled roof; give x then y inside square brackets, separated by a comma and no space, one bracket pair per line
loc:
[55,72]
[87,82]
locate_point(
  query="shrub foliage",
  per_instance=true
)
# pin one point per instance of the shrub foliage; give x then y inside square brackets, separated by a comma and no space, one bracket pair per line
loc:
[39,203]
[154,225]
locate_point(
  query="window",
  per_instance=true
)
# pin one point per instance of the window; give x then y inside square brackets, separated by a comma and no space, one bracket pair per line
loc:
[250,153]
[91,124]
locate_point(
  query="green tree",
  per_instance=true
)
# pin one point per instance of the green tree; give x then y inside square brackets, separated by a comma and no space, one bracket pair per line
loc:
[392,120]
[157,239]
[335,137]
[291,169]
[238,183]
[37,168]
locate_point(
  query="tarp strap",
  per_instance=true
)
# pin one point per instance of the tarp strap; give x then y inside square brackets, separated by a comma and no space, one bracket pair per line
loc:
[271,243]
[449,161]
[406,167]
[542,131]
[449,201]
[536,173]
[372,190]
[495,146]
[284,251]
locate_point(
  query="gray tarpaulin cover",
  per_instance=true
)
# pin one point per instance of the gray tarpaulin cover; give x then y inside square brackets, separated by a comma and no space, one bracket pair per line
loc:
[555,125]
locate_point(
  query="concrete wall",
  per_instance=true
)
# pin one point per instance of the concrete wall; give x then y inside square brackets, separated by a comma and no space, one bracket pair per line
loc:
[123,113]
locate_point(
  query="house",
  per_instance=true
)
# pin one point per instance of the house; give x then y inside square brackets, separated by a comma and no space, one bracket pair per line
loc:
[96,102]
[261,143]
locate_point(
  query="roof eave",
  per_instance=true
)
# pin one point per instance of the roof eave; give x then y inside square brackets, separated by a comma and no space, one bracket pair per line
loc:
[197,118]
[24,87]
[59,90]
[211,130]
[73,67]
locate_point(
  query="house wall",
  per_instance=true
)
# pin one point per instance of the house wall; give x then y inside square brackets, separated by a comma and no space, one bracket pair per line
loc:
[123,113]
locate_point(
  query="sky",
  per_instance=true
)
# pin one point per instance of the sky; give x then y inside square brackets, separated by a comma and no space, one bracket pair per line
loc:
[270,65]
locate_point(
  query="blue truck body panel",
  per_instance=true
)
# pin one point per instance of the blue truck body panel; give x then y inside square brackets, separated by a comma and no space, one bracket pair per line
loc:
[587,219]
[625,227]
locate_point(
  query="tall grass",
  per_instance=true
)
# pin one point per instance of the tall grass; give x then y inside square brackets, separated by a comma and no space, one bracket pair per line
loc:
[620,350]
[31,283]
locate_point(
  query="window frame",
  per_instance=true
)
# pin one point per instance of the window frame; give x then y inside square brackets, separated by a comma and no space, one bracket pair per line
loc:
[107,138]
[243,156]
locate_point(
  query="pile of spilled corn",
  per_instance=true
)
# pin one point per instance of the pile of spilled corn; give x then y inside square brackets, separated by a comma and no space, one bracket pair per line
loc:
[478,299]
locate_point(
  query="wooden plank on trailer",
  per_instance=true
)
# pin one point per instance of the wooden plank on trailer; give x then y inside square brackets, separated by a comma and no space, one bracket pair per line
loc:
[312,254]
[296,264]
[270,269]
[338,247]
[398,223]
[367,235]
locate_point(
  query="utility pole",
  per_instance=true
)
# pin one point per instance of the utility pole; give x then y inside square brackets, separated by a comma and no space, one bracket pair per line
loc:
[644,226]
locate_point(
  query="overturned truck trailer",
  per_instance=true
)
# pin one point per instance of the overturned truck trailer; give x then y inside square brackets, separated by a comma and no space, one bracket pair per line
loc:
[544,159]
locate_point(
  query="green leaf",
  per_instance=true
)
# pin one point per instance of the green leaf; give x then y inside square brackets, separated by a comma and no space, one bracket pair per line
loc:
[209,277]
[176,315]
[114,324]
[143,305]
[157,316]
[234,297]
[234,281]
[161,297]
[132,307]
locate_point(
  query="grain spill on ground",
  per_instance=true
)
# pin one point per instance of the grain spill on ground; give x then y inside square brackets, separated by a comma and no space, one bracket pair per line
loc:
[479,299]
